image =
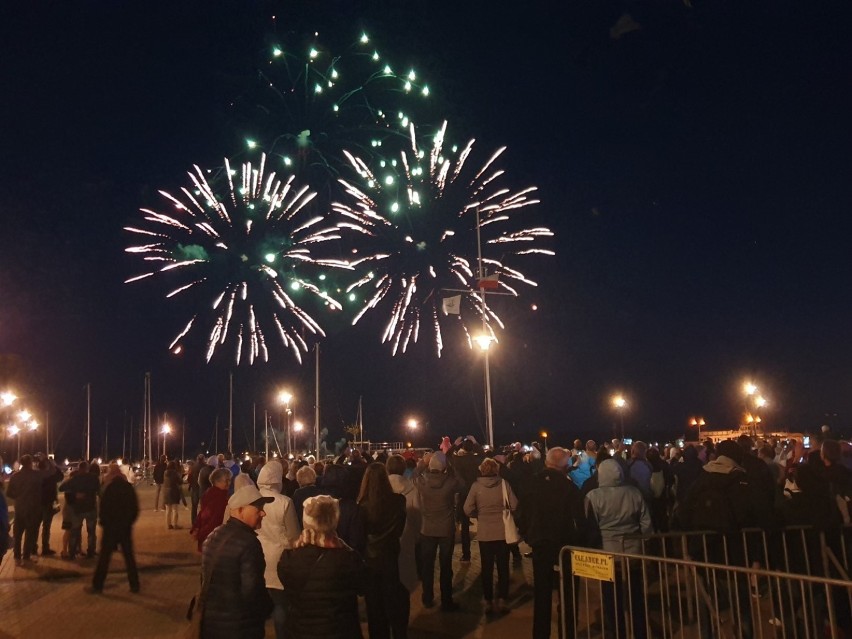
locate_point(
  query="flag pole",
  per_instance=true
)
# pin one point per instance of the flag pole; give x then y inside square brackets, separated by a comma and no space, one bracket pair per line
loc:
[489,416]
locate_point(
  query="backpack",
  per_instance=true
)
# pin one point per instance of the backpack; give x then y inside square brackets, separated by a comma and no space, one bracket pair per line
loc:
[710,503]
[658,484]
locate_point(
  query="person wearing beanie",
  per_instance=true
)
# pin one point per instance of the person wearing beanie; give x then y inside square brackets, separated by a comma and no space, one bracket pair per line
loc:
[438,489]
[118,512]
[321,577]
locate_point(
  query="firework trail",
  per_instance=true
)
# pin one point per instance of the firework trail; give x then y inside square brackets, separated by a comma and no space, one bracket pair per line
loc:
[418,213]
[238,245]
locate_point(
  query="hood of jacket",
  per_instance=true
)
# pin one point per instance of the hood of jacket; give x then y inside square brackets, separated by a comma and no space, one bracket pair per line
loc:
[400,484]
[435,479]
[722,465]
[610,474]
[271,476]
[489,482]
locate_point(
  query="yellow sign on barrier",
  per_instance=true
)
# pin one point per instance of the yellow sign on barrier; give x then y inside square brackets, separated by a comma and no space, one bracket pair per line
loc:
[593,565]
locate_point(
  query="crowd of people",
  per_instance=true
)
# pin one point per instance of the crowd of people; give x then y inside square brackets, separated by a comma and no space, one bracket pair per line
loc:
[301,540]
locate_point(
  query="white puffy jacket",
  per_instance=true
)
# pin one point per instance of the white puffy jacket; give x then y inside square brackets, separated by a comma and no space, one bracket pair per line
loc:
[280,527]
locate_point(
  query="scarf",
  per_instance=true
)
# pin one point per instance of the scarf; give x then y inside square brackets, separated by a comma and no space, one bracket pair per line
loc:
[310,537]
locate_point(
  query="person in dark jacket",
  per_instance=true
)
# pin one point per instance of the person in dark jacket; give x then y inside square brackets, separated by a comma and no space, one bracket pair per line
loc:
[119,511]
[551,514]
[438,489]
[322,577]
[465,460]
[383,511]
[350,526]
[84,486]
[48,504]
[159,477]
[25,488]
[232,569]
[719,501]
[172,494]
[194,488]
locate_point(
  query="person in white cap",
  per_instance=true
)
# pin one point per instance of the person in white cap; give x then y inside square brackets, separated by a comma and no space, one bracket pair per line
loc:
[232,571]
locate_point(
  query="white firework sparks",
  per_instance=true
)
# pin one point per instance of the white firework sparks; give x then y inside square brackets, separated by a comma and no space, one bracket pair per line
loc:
[417,215]
[241,251]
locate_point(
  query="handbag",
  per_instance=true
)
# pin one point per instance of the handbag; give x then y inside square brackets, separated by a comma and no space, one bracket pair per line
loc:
[509,525]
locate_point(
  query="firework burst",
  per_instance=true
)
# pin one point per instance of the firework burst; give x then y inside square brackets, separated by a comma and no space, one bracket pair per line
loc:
[238,243]
[419,216]
[310,103]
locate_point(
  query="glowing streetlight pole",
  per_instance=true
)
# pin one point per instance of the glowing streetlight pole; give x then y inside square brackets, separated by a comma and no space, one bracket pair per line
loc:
[285,397]
[698,422]
[165,430]
[544,436]
[619,403]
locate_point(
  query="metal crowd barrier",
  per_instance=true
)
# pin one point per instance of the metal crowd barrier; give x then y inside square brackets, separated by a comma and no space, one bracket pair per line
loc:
[669,593]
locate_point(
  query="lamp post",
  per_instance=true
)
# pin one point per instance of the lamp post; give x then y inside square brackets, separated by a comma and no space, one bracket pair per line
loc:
[619,403]
[14,431]
[165,430]
[284,398]
[698,422]
[484,342]
[752,417]
[297,428]
[544,436]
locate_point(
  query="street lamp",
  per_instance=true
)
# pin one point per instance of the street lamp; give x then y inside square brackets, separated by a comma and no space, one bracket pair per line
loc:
[484,342]
[284,398]
[165,430]
[698,422]
[544,436]
[7,398]
[752,419]
[297,428]
[412,423]
[618,402]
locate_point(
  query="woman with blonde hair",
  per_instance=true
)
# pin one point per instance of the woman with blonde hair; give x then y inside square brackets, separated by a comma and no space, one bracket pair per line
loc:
[321,577]
[485,503]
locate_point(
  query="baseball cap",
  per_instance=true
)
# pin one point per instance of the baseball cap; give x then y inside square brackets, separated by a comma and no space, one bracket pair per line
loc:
[248,496]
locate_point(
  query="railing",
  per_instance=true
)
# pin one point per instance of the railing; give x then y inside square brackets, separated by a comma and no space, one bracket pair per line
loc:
[788,583]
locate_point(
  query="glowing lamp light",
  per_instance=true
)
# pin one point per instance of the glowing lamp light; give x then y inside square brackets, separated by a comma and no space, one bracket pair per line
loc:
[619,402]
[7,398]
[24,415]
[298,426]
[284,397]
[412,423]
[749,388]
[760,402]
[33,425]
[484,341]
[14,430]
[166,429]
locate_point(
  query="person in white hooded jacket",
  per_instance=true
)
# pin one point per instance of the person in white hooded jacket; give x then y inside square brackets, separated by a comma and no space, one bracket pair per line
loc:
[409,571]
[280,529]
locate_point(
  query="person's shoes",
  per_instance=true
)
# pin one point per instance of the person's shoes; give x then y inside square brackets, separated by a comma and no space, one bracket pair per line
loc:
[465,560]
[429,604]
[490,608]
[176,527]
[91,590]
[63,555]
[449,606]
[171,527]
[91,554]
[19,562]
[528,555]
[48,552]
[501,608]
[134,589]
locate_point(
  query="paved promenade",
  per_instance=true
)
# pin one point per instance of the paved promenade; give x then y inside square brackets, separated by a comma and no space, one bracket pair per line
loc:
[48,598]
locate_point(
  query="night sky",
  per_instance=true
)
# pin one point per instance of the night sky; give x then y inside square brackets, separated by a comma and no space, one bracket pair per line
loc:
[696,171]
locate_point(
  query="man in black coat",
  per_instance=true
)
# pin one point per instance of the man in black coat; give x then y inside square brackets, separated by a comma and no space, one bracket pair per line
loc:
[25,487]
[551,512]
[159,478]
[232,568]
[119,511]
